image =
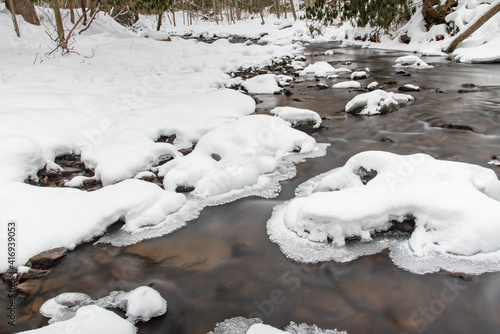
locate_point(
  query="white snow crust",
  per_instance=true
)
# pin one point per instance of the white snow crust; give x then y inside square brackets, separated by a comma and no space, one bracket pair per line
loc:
[297,115]
[377,102]
[454,206]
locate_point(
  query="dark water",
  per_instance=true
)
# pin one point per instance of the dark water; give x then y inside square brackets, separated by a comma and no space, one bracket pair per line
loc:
[223,265]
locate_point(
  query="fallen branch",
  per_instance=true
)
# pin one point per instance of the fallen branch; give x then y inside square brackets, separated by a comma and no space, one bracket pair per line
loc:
[473,27]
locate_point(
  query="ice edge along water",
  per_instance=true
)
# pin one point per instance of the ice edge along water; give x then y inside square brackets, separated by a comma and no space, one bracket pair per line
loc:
[457,233]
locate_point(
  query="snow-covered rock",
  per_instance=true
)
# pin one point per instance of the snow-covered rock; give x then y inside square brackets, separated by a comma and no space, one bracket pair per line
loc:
[249,149]
[297,116]
[240,325]
[372,86]
[357,75]
[90,319]
[377,102]
[409,88]
[262,84]
[411,62]
[347,84]
[454,206]
[318,69]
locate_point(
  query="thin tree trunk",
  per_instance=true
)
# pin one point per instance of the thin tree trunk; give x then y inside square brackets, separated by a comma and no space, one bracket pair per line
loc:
[292,7]
[84,12]
[214,5]
[473,27]
[58,18]
[238,12]
[277,7]
[173,17]
[71,6]
[284,8]
[159,21]
[26,8]
[260,12]
[14,18]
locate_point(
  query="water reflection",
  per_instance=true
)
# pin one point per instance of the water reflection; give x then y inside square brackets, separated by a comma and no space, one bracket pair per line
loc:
[223,264]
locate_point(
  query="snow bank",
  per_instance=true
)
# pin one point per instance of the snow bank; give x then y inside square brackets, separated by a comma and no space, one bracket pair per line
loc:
[411,62]
[347,85]
[90,319]
[297,115]
[67,217]
[240,325]
[262,84]
[236,156]
[377,102]
[454,206]
[79,312]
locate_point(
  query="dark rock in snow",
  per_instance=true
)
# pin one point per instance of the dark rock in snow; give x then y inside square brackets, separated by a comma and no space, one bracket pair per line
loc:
[405,39]
[47,259]
[216,157]
[184,189]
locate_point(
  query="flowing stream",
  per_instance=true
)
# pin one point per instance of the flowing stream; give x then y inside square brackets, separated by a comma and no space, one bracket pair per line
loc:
[223,265]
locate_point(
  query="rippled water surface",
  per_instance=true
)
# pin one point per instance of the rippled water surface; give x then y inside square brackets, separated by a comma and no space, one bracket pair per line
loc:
[223,265]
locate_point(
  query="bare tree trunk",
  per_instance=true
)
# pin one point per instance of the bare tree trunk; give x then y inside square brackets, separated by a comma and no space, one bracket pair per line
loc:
[84,12]
[71,6]
[292,7]
[473,27]
[159,21]
[260,12]
[214,5]
[14,18]
[59,24]
[277,7]
[238,11]
[26,8]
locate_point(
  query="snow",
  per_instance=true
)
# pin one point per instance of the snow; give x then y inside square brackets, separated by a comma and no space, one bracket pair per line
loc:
[347,84]
[454,206]
[249,149]
[372,86]
[110,104]
[140,304]
[297,115]
[90,319]
[240,325]
[411,62]
[377,102]
[263,329]
[78,311]
[358,75]
[262,84]
[318,69]
[410,87]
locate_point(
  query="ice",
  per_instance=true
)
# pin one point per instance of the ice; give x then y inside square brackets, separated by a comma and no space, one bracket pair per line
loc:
[453,204]
[297,115]
[240,325]
[347,85]
[78,311]
[73,216]
[262,84]
[377,102]
[140,304]
[236,156]
[411,62]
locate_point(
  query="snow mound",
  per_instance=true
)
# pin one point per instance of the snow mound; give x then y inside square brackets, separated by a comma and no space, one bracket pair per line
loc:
[347,84]
[454,207]
[372,86]
[356,75]
[136,202]
[157,35]
[297,115]
[411,62]
[377,102]
[318,69]
[70,308]
[262,84]
[140,304]
[240,325]
[236,156]
[90,319]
